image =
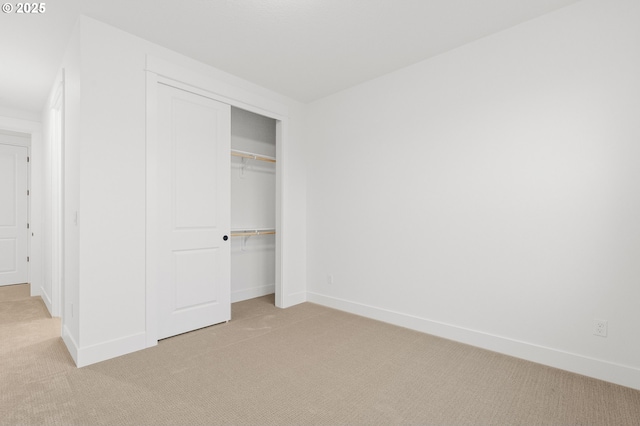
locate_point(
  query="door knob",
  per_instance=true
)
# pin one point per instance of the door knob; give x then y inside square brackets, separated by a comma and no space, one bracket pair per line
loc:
[225,238]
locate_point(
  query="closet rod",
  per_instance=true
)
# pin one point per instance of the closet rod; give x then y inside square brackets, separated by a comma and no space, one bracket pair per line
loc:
[252,233]
[252,156]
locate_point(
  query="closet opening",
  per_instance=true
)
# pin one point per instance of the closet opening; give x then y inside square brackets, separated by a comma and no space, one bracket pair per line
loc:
[253,206]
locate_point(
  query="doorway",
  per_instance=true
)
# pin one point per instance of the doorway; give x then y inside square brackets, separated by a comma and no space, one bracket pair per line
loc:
[163,74]
[14,208]
[253,205]
[45,155]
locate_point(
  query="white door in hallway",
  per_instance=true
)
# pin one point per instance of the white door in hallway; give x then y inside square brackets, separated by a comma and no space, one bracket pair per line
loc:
[193,187]
[13,215]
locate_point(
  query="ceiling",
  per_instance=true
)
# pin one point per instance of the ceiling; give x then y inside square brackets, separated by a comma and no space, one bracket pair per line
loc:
[304,49]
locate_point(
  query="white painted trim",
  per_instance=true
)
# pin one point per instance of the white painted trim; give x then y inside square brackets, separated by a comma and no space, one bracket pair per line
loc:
[26,143]
[34,129]
[216,89]
[599,369]
[102,351]
[57,197]
[160,71]
[151,303]
[252,293]
[279,257]
[106,350]
[34,288]
[46,299]
[70,343]
[36,216]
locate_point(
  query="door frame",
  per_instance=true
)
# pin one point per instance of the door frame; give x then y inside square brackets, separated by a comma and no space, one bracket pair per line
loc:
[161,71]
[56,138]
[27,146]
[34,183]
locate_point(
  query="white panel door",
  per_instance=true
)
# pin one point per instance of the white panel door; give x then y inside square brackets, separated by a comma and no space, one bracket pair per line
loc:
[193,211]
[13,215]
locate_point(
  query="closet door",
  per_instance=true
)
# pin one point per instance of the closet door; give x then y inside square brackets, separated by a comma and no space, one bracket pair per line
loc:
[193,211]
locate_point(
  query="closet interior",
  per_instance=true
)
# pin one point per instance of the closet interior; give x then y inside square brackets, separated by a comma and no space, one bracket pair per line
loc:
[253,205]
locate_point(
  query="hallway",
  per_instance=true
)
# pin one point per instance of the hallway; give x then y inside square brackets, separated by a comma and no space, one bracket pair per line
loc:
[24,322]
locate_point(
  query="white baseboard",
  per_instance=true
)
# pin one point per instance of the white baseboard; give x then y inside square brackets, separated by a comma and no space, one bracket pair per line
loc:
[599,369]
[70,343]
[252,293]
[47,300]
[114,348]
[88,355]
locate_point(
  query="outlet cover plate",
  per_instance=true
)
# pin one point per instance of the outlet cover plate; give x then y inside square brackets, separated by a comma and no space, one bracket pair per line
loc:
[600,327]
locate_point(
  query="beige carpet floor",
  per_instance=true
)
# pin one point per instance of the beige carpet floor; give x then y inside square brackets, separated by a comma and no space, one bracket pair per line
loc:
[303,365]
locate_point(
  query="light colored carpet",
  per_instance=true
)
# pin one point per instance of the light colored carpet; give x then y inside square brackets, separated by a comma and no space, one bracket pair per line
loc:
[303,365]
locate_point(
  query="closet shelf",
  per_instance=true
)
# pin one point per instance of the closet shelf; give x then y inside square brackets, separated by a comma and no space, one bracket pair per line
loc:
[252,156]
[251,232]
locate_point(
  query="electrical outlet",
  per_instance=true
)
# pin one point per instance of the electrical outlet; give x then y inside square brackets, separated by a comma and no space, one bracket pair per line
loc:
[330,279]
[600,327]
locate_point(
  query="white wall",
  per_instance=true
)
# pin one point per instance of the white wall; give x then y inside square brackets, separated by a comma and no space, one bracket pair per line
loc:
[492,194]
[108,173]
[17,114]
[253,206]
[252,132]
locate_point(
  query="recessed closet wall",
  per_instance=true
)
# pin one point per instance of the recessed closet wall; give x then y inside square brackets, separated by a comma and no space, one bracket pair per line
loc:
[253,205]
